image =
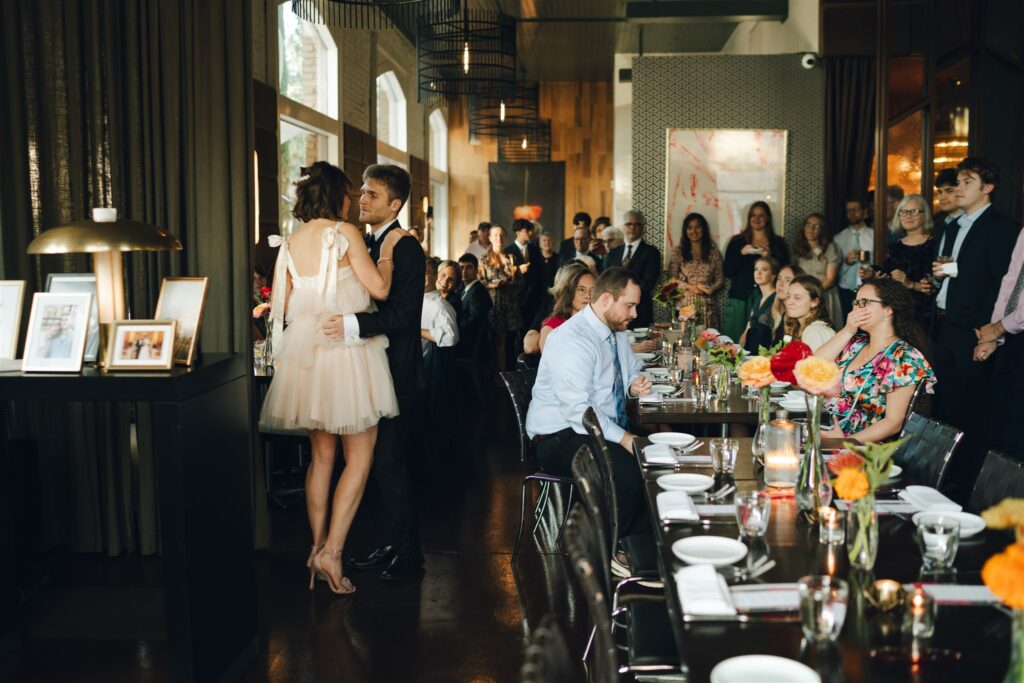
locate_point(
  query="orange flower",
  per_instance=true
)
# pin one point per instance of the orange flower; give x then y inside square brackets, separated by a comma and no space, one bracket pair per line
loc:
[260,310]
[756,372]
[852,484]
[1004,575]
[844,459]
[818,376]
[687,312]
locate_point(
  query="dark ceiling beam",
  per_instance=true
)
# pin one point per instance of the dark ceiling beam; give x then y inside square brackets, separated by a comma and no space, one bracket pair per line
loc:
[678,11]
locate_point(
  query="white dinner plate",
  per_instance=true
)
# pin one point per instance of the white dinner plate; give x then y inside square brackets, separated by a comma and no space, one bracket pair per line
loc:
[686,481]
[763,669]
[894,472]
[663,389]
[794,395]
[793,406]
[641,330]
[657,371]
[644,356]
[673,438]
[778,386]
[970,525]
[717,551]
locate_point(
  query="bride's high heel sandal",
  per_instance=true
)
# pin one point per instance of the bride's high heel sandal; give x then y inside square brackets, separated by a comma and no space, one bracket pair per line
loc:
[344,586]
[314,575]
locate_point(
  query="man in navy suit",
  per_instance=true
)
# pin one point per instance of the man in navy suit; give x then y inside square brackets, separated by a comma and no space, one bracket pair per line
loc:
[979,243]
[642,260]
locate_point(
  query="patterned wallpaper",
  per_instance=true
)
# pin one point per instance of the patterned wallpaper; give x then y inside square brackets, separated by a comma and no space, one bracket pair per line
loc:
[718,91]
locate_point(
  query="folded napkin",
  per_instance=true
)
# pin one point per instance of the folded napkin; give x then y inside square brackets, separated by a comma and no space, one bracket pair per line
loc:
[927,498]
[886,507]
[652,398]
[766,597]
[676,505]
[717,510]
[956,594]
[703,592]
[659,454]
[694,460]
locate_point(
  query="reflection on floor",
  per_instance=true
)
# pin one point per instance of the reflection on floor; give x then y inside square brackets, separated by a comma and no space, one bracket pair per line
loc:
[463,622]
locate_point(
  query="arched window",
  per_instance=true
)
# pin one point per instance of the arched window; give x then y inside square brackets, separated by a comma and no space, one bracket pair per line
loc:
[308,60]
[391,112]
[438,141]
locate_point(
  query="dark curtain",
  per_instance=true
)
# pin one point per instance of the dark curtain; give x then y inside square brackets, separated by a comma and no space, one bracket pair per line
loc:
[146,106]
[849,132]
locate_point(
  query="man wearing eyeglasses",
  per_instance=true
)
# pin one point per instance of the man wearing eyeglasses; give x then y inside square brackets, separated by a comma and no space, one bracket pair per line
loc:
[568,247]
[641,259]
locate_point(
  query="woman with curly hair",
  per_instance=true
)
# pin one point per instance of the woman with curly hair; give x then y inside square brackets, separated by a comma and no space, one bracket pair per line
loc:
[697,264]
[881,354]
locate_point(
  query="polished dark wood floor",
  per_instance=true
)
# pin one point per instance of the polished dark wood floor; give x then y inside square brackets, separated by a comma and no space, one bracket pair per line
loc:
[98,619]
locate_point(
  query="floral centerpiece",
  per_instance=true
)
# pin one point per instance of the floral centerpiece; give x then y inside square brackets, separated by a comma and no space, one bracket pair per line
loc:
[819,379]
[860,470]
[262,310]
[669,294]
[1003,573]
[756,373]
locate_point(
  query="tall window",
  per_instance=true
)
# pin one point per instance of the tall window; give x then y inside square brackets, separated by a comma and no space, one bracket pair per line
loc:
[391,112]
[307,103]
[438,141]
[438,153]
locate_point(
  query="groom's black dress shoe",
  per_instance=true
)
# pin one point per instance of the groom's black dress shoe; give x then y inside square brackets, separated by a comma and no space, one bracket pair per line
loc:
[402,569]
[381,557]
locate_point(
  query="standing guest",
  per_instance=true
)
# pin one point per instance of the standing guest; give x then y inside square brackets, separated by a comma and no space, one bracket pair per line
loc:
[642,260]
[548,264]
[581,242]
[909,261]
[980,247]
[879,351]
[598,249]
[893,196]
[504,280]
[806,317]
[759,325]
[479,247]
[818,256]
[588,363]
[697,263]
[439,328]
[399,555]
[476,307]
[525,253]
[580,220]
[786,275]
[439,333]
[449,284]
[945,195]
[855,238]
[758,239]
[1007,330]
[573,286]
[613,238]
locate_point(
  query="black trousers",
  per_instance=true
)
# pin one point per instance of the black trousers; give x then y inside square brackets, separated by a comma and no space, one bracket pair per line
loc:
[395,499]
[1008,397]
[555,454]
[963,399]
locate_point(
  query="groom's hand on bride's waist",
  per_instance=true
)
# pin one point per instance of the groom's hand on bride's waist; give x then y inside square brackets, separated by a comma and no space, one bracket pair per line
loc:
[334,327]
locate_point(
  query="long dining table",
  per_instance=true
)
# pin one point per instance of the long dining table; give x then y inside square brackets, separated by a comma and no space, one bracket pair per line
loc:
[971,642]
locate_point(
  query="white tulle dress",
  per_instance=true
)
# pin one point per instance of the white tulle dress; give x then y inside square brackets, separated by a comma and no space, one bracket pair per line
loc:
[338,386]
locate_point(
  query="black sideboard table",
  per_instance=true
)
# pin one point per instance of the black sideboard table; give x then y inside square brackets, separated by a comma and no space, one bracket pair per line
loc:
[202,448]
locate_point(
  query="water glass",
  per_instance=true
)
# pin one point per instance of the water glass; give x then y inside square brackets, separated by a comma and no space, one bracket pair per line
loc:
[939,542]
[685,358]
[723,455]
[801,425]
[831,526]
[753,510]
[822,606]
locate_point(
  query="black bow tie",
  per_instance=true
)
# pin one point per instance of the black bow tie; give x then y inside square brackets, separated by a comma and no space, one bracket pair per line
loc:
[369,239]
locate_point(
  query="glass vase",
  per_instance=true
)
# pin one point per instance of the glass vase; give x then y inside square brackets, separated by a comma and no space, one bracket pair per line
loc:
[862,533]
[764,416]
[1015,671]
[267,352]
[813,487]
[722,380]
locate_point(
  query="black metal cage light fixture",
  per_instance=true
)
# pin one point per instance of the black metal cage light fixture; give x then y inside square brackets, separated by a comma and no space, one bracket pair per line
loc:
[530,145]
[493,115]
[471,53]
[373,14]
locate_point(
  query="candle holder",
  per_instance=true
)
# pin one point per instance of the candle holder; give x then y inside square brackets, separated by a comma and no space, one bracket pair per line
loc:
[919,617]
[831,526]
[782,454]
[885,594]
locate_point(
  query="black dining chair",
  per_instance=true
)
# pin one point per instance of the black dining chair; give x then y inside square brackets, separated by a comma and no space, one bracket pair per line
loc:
[927,448]
[916,402]
[1001,477]
[528,361]
[547,658]
[520,387]
[650,646]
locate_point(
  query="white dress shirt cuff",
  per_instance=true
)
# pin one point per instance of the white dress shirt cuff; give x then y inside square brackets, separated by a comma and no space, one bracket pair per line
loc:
[351,326]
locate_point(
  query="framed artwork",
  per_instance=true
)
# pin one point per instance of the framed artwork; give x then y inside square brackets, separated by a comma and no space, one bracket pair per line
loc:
[719,173]
[57,328]
[141,345]
[182,299]
[12,294]
[80,282]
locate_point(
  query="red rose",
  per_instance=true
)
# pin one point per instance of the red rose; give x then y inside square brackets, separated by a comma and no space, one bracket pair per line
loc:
[786,359]
[265,292]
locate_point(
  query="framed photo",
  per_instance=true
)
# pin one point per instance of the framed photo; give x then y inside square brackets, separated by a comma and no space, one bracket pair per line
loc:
[80,282]
[182,299]
[12,293]
[57,327]
[141,345]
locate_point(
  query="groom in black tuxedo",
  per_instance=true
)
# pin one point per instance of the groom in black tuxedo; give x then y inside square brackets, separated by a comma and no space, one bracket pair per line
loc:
[398,555]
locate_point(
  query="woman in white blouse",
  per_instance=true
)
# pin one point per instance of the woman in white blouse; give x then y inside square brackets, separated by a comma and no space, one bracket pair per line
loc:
[807,317]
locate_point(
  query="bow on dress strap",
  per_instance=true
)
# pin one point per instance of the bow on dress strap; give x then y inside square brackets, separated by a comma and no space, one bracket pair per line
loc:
[335,245]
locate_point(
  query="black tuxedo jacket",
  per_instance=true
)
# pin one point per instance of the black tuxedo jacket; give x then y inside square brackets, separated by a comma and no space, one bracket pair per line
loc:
[981,264]
[399,317]
[476,307]
[534,274]
[645,264]
[567,247]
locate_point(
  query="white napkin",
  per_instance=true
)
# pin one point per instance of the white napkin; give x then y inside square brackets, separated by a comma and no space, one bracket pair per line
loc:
[703,591]
[927,498]
[659,454]
[766,597]
[676,505]
[956,594]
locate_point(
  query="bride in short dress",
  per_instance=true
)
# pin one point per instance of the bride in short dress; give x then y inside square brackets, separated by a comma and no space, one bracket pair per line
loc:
[331,387]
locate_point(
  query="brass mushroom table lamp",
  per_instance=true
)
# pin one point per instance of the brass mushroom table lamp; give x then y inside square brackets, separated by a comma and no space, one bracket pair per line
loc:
[105,237]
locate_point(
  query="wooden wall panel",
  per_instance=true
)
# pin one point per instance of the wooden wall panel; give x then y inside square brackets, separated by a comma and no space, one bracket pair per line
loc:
[469,199]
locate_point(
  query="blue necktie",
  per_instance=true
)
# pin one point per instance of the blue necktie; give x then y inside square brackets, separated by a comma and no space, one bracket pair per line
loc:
[617,386]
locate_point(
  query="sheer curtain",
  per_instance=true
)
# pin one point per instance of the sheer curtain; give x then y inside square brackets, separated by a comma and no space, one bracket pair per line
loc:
[146,106]
[849,132]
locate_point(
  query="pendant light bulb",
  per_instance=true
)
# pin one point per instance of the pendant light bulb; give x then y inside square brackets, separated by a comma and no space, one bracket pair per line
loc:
[502,115]
[524,142]
[465,58]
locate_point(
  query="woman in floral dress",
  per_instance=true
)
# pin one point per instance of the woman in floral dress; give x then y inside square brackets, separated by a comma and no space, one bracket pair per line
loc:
[879,353]
[504,280]
[697,264]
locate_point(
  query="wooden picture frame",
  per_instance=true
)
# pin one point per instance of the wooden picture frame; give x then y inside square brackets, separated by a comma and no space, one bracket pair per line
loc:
[57,328]
[12,298]
[80,282]
[183,299]
[141,345]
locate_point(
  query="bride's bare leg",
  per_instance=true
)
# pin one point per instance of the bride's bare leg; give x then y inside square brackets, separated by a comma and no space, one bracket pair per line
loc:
[348,494]
[318,482]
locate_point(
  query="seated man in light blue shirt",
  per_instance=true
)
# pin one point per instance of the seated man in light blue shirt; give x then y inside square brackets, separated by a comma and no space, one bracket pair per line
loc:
[588,362]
